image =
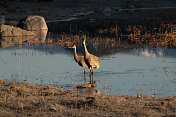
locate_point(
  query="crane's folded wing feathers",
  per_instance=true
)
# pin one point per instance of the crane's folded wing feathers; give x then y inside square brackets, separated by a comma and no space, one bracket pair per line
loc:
[82,62]
[94,61]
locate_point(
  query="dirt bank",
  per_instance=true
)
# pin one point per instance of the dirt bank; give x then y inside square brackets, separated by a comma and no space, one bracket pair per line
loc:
[21,99]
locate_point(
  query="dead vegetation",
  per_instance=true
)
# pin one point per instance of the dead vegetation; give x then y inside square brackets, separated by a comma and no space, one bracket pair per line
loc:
[163,35]
[113,38]
[21,99]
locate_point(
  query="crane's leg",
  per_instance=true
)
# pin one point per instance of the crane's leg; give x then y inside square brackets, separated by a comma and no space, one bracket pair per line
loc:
[84,75]
[92,75]
[90,71]
[90,79]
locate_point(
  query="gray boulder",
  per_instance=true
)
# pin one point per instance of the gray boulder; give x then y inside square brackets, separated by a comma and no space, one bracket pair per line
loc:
[33,23]
[11,31]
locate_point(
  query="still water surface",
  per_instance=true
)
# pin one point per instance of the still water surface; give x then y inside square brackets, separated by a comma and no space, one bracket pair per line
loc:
[148,71]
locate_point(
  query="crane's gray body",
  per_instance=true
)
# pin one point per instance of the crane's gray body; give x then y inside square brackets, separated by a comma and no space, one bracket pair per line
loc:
[79,59]
[91,60]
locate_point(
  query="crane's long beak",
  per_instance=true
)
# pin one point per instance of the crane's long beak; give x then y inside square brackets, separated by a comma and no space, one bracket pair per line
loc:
[71,47]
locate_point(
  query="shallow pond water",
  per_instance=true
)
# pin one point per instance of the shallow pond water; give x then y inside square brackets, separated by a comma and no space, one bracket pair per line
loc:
[123,71]
[151,71]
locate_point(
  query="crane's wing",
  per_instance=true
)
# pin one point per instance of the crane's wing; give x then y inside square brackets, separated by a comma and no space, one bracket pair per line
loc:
[94,61]
[82,62]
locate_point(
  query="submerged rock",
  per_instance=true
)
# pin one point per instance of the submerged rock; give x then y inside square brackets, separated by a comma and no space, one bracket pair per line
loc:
[10,41]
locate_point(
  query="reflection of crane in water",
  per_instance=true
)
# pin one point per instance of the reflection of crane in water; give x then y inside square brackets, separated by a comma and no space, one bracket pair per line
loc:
[91,60]
[79,59]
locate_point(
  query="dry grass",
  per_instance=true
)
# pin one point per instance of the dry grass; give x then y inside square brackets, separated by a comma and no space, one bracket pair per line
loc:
[129,36]
[115,37]
[20,99]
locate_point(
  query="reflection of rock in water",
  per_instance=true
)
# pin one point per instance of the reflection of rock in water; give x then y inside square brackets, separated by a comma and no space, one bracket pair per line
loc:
[11,41]
[40,36]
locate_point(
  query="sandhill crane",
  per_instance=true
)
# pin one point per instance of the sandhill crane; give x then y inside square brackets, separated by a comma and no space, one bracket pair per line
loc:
[79,59]
[91,60]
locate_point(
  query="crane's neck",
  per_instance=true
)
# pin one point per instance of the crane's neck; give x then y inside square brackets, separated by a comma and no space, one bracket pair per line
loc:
[75,55]
[85,50]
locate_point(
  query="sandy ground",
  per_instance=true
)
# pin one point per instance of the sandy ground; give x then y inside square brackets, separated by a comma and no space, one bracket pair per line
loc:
[21,99]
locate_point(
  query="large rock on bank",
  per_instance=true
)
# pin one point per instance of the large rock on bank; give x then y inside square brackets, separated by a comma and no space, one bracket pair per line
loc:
[37,25]
[31,28]
[10,35]
[33,23]
[11,31]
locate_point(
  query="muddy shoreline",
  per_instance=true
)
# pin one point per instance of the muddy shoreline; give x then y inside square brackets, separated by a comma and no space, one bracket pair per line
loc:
[21,99]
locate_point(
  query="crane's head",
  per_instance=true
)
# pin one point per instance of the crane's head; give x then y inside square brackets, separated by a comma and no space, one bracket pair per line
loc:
[84,39]
[74,46]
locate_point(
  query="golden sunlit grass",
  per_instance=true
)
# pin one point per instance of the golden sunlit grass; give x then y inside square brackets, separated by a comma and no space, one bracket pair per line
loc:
[162,36]
[114,37]
[21,99]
